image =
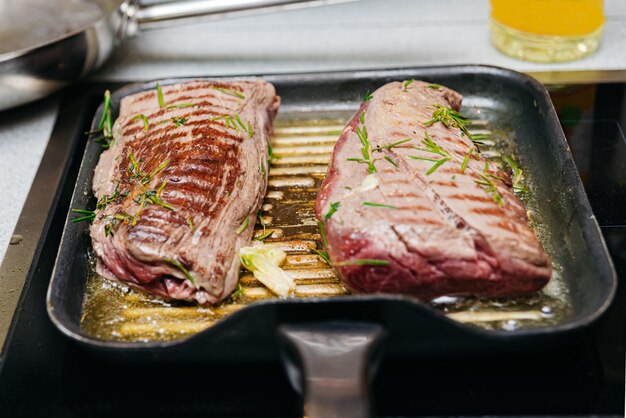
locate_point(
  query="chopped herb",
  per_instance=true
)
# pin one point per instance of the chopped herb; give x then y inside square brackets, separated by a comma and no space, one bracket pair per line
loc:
[434,86]
[229,92]
[368,96]
[189,222]
[432,147]
[106,108]
[362,117]
[250,130]
[361,132]
[466,160]
[160,96]
[243,226]
[238,292]
[436,166]
[182,268]
[105,126]
[392,145]
[106,199]
[517,173]
[263,168]
[264,235]
[486,168]
[179,105]
[490,188]
[146,125]
[179,121]
[155,197]
[358,160]
[333,208]
[379,205]
[450,118]
[108,230]
[322,254]
[413,157]
[160,168]
[323,234]
[239,121]
[392,162]
[453,177]
[406,84]
[89,215]
[363,262]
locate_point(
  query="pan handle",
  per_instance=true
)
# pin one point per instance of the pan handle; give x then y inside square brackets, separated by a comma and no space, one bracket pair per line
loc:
[144,17]
[331,366]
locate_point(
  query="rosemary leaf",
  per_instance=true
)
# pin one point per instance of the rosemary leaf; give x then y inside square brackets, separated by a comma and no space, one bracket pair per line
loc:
[160,96]
[243,226]
[379,205]
[182,268]
[143,117]
[334,207]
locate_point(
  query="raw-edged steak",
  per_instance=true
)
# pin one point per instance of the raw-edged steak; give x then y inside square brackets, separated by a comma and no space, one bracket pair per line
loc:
[410,206]
[179,189]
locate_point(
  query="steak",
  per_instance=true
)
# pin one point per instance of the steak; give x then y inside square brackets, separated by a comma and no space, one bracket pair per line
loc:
[410,206]
[179,189]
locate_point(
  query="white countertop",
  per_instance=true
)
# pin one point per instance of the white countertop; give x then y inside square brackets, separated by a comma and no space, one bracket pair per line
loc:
[365,34]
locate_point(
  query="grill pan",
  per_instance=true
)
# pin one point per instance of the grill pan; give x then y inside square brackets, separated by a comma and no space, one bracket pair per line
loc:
[348,326]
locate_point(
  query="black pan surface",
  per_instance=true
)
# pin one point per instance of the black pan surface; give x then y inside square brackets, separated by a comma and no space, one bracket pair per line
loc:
[523,108]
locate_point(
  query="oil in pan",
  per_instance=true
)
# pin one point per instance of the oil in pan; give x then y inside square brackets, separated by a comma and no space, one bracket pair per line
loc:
[301,148]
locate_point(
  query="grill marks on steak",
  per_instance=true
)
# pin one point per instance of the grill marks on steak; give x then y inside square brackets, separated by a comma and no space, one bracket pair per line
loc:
[207,176]
[447,234]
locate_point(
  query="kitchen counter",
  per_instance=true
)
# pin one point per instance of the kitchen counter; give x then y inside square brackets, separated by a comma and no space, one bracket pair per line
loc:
[365,34]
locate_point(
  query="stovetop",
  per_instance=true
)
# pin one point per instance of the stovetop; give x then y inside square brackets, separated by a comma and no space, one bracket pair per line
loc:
[45,374]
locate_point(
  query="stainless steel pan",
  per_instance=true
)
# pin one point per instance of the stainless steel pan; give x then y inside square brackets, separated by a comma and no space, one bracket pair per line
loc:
[46,45]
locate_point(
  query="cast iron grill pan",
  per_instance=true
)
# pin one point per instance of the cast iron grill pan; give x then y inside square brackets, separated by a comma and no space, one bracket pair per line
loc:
[521,107]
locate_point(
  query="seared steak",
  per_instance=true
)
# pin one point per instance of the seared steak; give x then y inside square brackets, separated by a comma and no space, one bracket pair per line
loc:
[410,206]
[180,187]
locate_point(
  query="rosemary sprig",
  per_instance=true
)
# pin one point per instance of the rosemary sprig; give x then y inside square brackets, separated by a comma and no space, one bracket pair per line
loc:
[243,226]
[160,96]
[379,205]
[155,196]
[406,84]
[392,145]
[431,147]
[143,117]
[368,96]
[434,86]
[363,262]
[361,132]
[450,118]
[105,125]
[182,268]
[89,215]
[230,92]
[334,207]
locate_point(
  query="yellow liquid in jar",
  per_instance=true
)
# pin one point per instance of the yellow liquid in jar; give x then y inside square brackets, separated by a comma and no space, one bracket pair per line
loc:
[546,30]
